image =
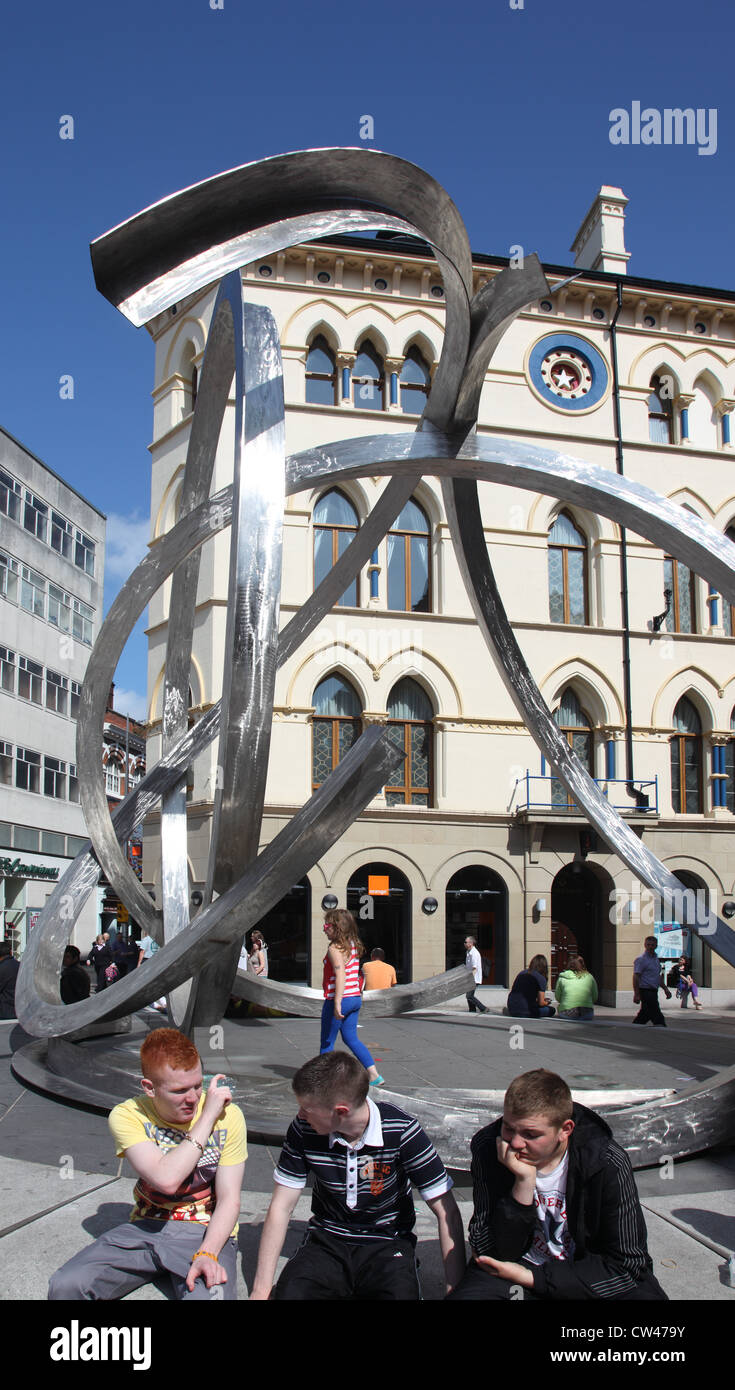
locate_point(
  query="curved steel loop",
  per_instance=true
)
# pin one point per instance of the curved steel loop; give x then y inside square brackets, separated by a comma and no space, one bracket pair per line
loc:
[193,237]
[309,834]
[465,524]
[532,468]
[376,1003]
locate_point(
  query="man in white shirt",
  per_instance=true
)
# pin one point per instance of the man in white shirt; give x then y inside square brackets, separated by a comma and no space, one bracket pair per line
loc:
[473,961]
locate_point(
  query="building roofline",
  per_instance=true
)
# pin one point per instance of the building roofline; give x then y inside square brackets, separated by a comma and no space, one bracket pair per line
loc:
[52,471]
[399,247]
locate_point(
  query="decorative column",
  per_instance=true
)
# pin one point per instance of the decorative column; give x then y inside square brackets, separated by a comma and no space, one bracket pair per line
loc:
[373,570]
[683,403]
[393,368]
[345,363]
[723,408]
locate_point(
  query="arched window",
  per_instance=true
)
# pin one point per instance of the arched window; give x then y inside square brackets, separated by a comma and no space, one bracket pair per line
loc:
[704,423]
[728,612]
[335,524]
[409,561]
[680,580]
[368,378]
[321,373]
[415,380]
[576,726]
[661,411]
[567,572]
[410,727]
[686,759]
[335,727]
[730,767]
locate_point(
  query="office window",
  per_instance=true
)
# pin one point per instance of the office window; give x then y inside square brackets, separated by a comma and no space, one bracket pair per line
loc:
[321,373]
[411,728]
[35,516]
[567,572]
[57,692]
[8,578]
[75,692]
[81,623]
[6,767]
[61,535]
[54,778]
[10,496]
[7,670]
[84,550]
[409,561]
[335,524]
[73,796]
[336,725]
[30,680]
[59,608]
[368,378]
[32,592]
[28,770]
[686,759]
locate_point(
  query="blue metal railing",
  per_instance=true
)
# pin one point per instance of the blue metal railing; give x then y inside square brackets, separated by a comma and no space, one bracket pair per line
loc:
[558,799]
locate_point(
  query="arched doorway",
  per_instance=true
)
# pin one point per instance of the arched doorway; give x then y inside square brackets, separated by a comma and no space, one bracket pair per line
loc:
[379,896]
[477,905]
[576,920]
[691,909]
[286,932]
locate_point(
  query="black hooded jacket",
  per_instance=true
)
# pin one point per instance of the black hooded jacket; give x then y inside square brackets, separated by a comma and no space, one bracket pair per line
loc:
[604,1216]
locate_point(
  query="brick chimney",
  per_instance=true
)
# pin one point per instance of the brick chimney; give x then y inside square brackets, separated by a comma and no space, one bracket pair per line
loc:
[600,241]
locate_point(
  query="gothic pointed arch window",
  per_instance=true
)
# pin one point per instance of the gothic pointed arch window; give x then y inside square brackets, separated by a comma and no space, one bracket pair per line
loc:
[686,759]
[682,615]
[415,380]
[568,601]
[411,728]
[409,561]
[335,726]
[321,373]
[661,411]
[576,726]
[335,525]
[368,378]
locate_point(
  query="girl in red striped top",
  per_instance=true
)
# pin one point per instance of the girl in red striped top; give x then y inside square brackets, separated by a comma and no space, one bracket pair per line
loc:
[343,989]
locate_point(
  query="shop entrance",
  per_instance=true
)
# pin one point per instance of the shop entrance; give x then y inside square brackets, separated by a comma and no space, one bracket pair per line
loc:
[576,922]
[286,932]
[477,905]
[379,897]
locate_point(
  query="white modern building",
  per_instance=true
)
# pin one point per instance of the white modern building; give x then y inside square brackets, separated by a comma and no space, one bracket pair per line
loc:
[52,553]
[474,834]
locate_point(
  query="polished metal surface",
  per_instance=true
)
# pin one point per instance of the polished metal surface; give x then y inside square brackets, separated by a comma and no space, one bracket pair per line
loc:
[147,264]
[376,1003]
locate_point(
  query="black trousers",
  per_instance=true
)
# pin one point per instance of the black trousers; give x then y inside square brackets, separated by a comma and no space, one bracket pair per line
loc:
[328,1267]
[478,1285]
[650,1010]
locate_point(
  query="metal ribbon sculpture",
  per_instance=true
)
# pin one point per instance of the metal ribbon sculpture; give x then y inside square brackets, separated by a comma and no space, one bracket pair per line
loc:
[165,253]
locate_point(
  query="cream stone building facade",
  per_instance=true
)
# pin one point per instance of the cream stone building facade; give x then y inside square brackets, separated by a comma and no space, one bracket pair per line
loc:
[475,835]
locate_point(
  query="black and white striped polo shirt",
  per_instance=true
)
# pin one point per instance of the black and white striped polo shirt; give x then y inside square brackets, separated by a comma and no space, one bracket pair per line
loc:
[362,1191]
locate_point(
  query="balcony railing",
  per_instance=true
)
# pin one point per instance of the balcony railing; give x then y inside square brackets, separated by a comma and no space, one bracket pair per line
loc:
[549,794]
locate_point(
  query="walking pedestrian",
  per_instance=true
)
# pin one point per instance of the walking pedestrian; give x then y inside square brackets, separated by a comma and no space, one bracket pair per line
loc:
[646,984]
[473,961]
[342,995]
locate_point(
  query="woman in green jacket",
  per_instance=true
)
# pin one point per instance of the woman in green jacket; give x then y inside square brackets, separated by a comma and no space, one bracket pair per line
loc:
[576,990]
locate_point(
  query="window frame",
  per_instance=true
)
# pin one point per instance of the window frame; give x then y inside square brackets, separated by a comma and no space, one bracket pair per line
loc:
[564,549]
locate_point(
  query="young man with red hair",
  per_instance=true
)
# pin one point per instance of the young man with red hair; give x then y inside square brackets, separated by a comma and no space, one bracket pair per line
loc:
[188,1150]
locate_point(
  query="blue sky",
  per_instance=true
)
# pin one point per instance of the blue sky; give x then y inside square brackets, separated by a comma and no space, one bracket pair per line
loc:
[507,108]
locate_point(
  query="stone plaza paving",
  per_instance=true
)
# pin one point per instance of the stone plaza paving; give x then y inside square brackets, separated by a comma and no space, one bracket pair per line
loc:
[63,1185]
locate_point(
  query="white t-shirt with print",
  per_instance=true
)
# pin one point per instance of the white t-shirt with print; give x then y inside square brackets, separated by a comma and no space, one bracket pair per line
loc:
[552,1239]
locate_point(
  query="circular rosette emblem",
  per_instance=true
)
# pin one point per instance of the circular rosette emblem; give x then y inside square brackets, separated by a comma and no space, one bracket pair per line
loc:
[567,373]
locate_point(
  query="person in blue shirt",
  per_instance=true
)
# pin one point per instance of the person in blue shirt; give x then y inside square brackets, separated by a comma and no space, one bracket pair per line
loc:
[646,983]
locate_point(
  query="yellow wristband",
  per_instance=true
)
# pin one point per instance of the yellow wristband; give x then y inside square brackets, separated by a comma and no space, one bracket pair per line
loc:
[207,1253]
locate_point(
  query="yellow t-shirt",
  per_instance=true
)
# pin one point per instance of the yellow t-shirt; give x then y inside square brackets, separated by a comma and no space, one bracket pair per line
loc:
[137,1121]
